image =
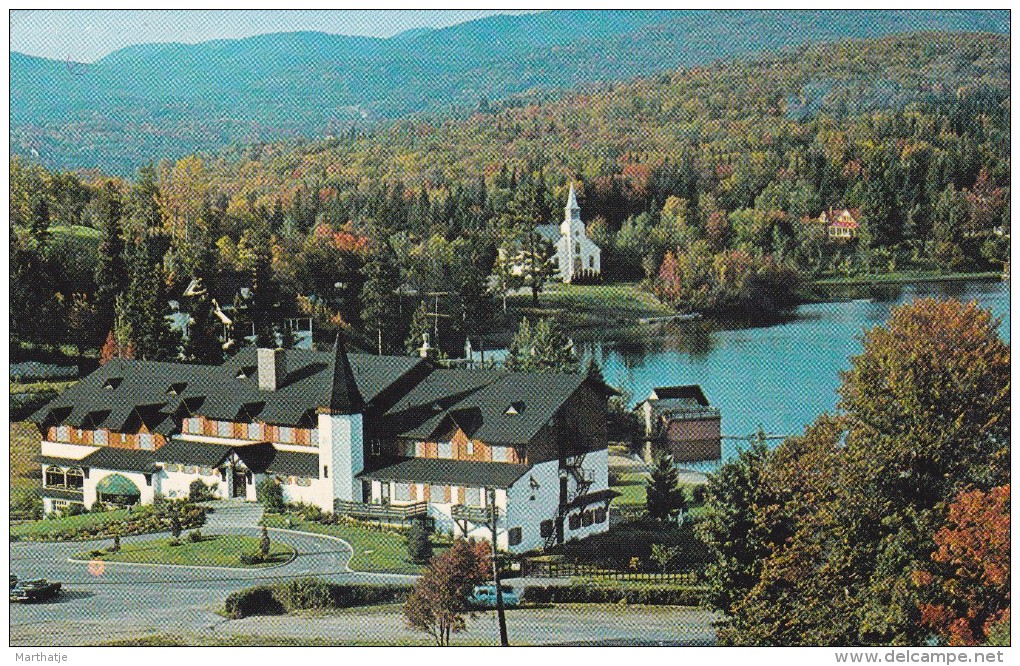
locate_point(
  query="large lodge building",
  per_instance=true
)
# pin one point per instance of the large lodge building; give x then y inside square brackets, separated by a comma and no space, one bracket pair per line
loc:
[385,438]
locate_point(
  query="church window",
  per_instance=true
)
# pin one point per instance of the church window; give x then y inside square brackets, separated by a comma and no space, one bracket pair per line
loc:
[591,262]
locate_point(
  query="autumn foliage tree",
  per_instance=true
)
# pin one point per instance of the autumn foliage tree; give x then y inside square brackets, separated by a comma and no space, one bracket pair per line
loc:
[822,543]
[966,588]
[438,603]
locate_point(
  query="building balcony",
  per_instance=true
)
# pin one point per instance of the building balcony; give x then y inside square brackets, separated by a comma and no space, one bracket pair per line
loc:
[387,513]
[475,514]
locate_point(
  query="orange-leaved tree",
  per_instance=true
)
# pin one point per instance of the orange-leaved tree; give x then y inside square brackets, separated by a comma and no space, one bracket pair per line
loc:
[967,585]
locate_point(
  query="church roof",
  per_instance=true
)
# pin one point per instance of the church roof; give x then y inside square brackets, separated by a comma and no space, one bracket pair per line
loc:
[550,232]
[572,198]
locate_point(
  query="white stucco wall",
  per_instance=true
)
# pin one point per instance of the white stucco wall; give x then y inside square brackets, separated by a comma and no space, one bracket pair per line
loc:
[62,450]
[319,493]
[175,485]
[341,447]
[528,513]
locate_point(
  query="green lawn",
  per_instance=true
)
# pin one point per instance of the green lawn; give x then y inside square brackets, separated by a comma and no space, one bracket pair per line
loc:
[40,386]
[904,276]
[76,230]
[632,491]
[211,551]
[52,528]
[373,550]
[588,306]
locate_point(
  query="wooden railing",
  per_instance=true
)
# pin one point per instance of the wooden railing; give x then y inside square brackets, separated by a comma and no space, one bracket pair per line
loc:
[475,514]
[559,569]
[382,512]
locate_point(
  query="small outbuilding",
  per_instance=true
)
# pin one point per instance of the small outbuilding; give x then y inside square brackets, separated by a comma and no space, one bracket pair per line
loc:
[680,421]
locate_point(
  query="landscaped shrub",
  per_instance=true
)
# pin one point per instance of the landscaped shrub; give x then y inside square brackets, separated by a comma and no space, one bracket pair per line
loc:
[195,536]
[253,601]
[617,547]
[270,494]
[198,491]
[264,544]
[250,560]
[98,507]
[309,594]
[140,520]
[419,546]
[651,595]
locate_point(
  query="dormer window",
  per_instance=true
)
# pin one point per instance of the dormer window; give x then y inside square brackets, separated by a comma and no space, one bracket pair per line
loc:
[112,383]
[514,408]
[176,389]
[246,372]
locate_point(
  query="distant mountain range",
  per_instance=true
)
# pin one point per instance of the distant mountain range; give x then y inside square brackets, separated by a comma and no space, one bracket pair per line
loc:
[152,101]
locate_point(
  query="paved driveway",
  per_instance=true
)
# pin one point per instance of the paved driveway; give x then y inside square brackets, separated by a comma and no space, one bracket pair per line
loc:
[127,601]
[131,600]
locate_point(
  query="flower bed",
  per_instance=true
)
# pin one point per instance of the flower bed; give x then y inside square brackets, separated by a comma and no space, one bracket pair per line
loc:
[126,522]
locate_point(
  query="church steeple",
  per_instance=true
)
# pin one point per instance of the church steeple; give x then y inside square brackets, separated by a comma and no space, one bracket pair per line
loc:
[572,211]
[343,396]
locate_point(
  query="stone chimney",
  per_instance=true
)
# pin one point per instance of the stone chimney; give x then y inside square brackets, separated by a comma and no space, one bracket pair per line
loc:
[271,369]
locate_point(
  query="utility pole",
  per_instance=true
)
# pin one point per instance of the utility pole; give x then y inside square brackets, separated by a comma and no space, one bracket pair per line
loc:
[500,610]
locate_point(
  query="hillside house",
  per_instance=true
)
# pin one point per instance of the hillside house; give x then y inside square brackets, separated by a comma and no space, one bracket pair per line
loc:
[840,224]
[680,421]
[385,438]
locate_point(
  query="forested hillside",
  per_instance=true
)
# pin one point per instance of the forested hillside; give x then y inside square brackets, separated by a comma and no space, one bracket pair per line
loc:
[704,182]
[169,100]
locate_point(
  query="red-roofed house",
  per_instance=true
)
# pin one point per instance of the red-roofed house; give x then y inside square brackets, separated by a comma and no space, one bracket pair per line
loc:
[841,224]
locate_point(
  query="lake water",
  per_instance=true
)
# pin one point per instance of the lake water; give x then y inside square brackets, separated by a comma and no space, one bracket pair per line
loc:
[779,377]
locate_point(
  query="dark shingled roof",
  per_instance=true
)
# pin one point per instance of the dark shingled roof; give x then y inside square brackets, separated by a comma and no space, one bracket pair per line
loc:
[261,457]
[687,392]
[343,396]
[455,472]
[122,394]
[592,498]
[123,460]
[186,452]
[62,462]
[294,463]
[480,401]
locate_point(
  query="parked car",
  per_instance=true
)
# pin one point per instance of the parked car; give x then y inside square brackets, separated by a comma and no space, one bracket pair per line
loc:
[485,596]
[38,589]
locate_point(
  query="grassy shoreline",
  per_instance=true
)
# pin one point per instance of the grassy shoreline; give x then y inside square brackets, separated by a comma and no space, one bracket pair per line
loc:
[901,277]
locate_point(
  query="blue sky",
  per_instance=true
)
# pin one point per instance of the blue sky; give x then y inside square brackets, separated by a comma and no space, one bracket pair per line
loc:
[87,35]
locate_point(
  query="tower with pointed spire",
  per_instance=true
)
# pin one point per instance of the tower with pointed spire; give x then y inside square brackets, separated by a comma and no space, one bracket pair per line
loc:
[341,429]
[577,255]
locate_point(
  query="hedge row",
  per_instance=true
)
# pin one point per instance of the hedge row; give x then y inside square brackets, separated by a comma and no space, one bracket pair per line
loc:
[651,595]
[309,594]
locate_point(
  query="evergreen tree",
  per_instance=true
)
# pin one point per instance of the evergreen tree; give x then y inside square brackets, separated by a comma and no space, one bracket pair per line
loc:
[146,306]
[110,270]
[203,343]
[255,256]
[664,497]
[379,298]
[419,326]
[40,223]
[419,545]
[542,348]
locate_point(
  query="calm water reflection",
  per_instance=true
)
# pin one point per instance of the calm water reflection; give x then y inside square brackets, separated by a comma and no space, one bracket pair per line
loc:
[780,377]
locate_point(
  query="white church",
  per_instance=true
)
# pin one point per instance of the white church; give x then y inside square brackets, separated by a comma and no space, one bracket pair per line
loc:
[577,256]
